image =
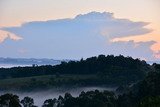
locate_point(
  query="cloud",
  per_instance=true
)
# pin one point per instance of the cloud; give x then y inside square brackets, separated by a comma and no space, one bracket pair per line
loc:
[4,35]
[103,23]
[135,49]
[83,36]
[157,55]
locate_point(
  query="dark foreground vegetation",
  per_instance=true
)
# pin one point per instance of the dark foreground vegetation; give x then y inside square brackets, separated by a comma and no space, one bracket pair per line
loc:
[145,93]
[102,70]
[109,65]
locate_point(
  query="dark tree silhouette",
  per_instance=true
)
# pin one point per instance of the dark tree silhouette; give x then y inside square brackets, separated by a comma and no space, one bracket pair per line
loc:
[27,102]
[50,103]
[9,100]
[117,65]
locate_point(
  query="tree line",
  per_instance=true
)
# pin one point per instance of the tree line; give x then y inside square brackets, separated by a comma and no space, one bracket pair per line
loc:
[109,65]
[143,94]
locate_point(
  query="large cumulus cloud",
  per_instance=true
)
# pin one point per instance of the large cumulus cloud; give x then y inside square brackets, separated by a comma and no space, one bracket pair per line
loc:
[83,36]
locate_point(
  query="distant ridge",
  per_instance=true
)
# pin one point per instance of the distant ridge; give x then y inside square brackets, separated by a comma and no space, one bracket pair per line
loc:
[28,62]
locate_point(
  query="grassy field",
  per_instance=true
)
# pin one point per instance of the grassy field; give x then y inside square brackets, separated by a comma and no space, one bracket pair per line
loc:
[45,82]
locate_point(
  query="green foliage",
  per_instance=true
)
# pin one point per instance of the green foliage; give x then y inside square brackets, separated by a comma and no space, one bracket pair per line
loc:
[147,94]
[150,86]
[107,70]
[50,103]
[27,102]
[47,82]
[150,102]
[9,100]
[108,65]
[85,99]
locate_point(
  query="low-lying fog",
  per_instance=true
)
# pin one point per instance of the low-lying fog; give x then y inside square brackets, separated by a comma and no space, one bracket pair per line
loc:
[40,96]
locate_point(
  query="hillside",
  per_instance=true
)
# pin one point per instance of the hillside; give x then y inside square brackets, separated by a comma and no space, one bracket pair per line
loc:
[101,70]
[116,65]
[147,94]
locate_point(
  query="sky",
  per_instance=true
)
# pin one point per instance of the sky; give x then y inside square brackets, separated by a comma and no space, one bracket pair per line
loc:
[72,29]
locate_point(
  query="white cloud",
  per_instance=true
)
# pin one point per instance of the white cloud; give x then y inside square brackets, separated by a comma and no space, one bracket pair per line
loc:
[4,35]
[83,36]
[103,23]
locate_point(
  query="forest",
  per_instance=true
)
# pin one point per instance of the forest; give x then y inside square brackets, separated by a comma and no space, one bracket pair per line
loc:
[144,93]
[138,83]
[99,70]
[110,65]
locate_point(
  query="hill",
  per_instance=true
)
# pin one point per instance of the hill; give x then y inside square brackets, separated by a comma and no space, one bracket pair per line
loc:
[147,94]
[101,70]
[109,65]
